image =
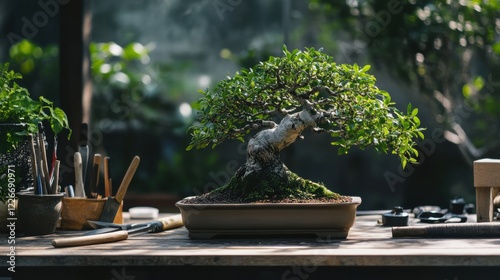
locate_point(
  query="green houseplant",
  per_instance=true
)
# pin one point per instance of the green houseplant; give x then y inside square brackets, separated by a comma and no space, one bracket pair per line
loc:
[19,118]
[281,98]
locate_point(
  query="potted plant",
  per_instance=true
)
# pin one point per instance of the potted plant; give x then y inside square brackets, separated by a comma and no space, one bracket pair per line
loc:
[20,117]
[280,99]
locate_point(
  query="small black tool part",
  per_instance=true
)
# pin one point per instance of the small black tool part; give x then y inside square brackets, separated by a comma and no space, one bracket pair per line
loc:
[457,206]
[397,217]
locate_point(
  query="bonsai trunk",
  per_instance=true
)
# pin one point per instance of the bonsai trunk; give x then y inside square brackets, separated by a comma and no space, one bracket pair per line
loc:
[263,150]
[264,176]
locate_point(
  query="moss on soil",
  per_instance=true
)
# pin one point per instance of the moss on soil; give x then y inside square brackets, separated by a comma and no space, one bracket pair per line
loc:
[269,187]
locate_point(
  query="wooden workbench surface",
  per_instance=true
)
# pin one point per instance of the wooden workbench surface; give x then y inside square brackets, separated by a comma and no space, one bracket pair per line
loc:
[368,244]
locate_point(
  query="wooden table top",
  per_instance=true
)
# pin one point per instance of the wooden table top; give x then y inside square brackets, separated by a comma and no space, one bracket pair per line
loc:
[368,244]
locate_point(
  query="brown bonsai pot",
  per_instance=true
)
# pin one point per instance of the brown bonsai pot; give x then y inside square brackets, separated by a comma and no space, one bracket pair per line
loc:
[325,220]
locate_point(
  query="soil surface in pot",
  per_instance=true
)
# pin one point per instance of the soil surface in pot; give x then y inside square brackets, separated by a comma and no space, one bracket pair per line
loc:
[269,186]
[227,198]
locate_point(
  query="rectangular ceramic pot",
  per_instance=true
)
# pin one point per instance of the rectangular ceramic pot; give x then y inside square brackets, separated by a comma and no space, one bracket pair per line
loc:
[326,220]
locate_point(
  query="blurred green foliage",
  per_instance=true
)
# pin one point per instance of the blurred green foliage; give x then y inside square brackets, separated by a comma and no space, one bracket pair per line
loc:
[39,67]
[137,104]
[18,106]
[129,90]
[131,96]
[449,50]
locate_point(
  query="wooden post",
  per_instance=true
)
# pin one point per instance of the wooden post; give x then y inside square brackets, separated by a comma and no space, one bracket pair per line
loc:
[75,82]
[487,184]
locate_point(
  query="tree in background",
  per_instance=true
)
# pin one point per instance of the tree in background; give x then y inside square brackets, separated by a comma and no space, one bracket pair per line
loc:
[449,50]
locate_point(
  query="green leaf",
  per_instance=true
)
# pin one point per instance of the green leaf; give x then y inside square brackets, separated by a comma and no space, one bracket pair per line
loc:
[420,134]
[45,100]
[284,49]
[414,112]
[408,109]
[342,150]
[366,68]
[416,120]
[60,120]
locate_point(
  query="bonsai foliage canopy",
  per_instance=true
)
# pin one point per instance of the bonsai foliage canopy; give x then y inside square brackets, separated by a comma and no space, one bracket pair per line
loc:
[283,96]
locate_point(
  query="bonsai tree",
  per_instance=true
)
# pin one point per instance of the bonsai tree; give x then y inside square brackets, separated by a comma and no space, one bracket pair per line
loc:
[280,99]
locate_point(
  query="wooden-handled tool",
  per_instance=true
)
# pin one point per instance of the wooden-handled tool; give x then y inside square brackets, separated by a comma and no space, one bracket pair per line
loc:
[157,225]
[170,222]
[90,239]
[34,166]
[466,230]
[94,178]
[121,232]
[79,188]
[113,203]
[55,183]
[43,159]
[107,178]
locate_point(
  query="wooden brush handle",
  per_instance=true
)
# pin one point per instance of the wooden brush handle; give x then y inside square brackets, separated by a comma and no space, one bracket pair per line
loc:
[55,183]
[90,239]
[127,179]
[79,189]
[94,178]
[43,152]
[107,178]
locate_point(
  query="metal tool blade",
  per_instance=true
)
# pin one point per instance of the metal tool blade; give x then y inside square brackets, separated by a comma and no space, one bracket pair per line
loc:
[139,230]
[113,203]
[158,225]
[104,227]
[100,231]
[110,209]
[100,224]
[131,229]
